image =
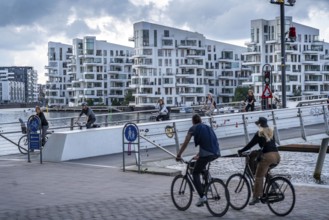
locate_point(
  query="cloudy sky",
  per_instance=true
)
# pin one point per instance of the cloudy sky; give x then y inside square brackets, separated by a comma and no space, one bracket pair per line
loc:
[26,26]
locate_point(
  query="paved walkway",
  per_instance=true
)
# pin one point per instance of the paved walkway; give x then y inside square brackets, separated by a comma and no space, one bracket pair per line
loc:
[90,189]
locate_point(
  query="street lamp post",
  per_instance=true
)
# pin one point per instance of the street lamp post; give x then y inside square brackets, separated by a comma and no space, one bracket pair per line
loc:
[283,57]
[283,48]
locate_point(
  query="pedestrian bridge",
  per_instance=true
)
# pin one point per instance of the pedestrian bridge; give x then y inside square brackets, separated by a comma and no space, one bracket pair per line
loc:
[300,125]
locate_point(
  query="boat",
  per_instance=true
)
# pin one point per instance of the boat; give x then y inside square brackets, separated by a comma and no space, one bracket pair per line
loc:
[185,110]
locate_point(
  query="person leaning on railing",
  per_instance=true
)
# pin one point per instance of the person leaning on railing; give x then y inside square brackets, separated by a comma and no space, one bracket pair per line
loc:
[269,155]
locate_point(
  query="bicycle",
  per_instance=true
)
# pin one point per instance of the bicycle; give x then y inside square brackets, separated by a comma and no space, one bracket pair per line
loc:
[182,188]
[23,142]
[278,192]
[83,124]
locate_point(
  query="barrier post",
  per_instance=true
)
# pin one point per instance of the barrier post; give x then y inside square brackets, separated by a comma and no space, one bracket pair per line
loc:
[321,157]
[303,133]
[245,128]
[176,137]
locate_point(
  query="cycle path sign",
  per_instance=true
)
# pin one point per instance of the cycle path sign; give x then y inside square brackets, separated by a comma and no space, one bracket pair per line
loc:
[33,135]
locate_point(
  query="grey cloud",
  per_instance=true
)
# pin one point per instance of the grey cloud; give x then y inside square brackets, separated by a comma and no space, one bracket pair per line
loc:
[24,12]
[230,20]
[80,28]
[25,39]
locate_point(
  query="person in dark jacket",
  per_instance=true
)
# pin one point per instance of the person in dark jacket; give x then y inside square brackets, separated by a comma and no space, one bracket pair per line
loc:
[91,118]
[250,101]
[265,139]
[206,139]
[44,124]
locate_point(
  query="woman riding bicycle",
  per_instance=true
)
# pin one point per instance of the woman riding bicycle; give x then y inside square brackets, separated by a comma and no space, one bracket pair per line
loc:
[269,155]
[206,138]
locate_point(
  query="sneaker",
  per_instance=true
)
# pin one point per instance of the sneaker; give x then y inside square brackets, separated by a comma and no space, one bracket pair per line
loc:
[254,201]
[201,201]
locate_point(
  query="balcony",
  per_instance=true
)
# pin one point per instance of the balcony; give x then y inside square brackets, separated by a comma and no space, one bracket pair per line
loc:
[251,62]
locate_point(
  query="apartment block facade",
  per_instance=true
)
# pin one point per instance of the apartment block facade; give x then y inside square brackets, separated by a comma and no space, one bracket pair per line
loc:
[89,70]
[59,80]
[182,67]
[11,91]
[23,77]
[100,71]
[307,58]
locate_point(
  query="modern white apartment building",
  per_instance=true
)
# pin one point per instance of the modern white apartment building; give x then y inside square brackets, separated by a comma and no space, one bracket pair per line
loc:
[59,56]
[11,91]
[99,71]
[181,67]
[307,59]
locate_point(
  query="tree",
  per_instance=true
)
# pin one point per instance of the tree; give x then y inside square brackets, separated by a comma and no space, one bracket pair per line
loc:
[90,102]
[240,93]
[115,102]
[128,98]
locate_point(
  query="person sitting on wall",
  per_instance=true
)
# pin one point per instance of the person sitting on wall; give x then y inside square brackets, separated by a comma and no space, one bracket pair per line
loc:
[163,111]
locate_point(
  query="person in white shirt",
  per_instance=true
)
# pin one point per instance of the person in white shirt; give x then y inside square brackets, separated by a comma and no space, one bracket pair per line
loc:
[163,111]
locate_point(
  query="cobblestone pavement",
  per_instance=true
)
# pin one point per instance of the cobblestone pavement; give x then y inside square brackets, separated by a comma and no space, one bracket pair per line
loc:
[84,191]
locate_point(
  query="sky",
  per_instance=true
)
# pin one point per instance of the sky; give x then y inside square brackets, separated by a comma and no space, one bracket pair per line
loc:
[26,26]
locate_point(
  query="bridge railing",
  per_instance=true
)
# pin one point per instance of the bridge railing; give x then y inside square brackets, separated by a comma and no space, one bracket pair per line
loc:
[234,130]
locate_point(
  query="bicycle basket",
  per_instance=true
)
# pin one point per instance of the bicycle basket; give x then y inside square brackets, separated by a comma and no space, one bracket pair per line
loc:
[23,126]
[24,131]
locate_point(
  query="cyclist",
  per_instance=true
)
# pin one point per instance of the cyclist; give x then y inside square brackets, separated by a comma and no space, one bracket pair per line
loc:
[207,140]
[89,113]
[44,124]
[163,111]
[269,155]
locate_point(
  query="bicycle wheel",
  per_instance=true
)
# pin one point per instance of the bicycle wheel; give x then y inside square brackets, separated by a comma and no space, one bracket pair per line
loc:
[23,145]
[280,196]
[239,190]
[181,192]
[218,198]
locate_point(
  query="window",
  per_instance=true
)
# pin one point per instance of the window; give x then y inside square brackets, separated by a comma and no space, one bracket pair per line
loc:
[166,33]
[155,38]
[146,38]
[89,46]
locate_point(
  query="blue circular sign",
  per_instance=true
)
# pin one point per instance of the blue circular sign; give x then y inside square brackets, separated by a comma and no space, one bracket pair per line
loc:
[131,133]
[33,123]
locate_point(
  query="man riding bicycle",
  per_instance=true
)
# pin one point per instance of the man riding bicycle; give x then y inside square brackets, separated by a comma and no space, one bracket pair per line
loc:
[89,113]
[207,140]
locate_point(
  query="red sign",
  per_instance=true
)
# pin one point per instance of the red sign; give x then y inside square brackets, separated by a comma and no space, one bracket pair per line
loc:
[267,94]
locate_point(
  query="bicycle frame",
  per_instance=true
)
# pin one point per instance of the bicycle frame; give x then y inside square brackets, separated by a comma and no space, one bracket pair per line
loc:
[206,177]
[251,179]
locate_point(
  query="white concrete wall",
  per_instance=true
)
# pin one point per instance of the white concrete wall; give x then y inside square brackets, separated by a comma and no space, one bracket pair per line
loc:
[77,144]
